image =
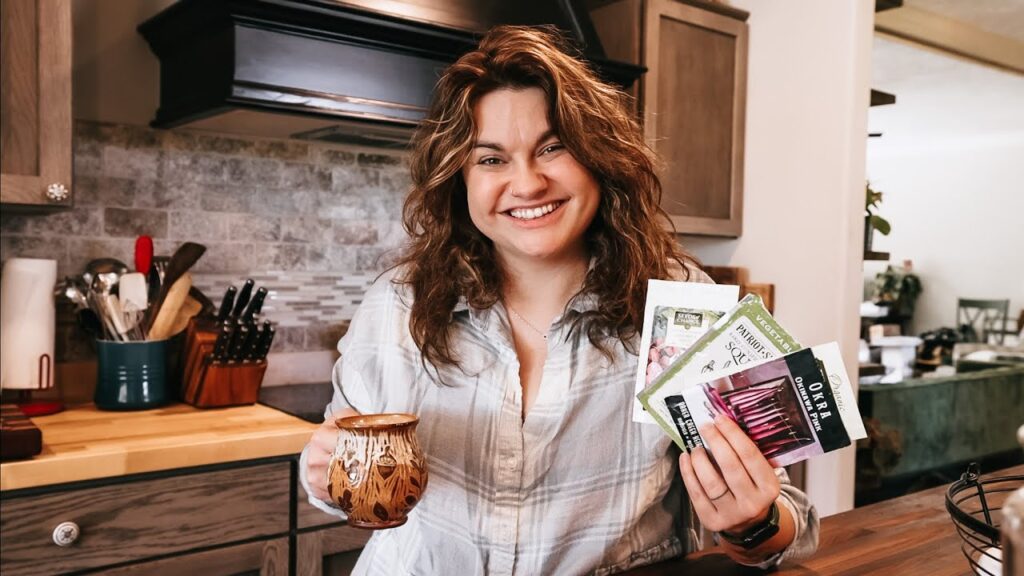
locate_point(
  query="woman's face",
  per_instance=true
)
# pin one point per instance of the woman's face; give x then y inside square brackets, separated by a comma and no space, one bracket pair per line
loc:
[526,192]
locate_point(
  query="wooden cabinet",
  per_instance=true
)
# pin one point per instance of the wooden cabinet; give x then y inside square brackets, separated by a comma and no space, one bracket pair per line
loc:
[243,517]
[692,100]
[35,109]
[128,522]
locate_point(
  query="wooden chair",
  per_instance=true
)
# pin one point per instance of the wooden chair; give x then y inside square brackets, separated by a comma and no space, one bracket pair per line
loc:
[985,317]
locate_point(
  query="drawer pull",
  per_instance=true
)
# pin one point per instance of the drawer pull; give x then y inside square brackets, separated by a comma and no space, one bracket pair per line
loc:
[66,533]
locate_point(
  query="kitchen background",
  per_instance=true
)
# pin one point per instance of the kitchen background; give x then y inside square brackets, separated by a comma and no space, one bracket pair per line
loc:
[803,161]
[314,223]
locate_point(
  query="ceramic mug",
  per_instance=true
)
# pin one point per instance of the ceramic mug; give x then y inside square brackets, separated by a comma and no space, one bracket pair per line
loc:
[377,473]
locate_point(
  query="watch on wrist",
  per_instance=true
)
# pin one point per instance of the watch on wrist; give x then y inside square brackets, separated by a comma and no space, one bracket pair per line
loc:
[756,535]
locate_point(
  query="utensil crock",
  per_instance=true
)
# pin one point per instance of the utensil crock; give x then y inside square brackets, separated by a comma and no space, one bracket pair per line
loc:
[131,375]
[378,472]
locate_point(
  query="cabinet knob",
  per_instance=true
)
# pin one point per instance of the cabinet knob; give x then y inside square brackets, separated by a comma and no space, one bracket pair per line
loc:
[57,192]
[66,533]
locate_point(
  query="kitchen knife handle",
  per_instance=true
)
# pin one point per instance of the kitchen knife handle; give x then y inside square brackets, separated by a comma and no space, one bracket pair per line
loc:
[251,341]
[243,297]
[238,342]
[220,347]
[255,305]
[227,304]
[267,340]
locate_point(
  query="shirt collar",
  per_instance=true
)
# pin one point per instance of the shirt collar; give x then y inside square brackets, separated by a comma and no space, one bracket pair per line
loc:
[584,302]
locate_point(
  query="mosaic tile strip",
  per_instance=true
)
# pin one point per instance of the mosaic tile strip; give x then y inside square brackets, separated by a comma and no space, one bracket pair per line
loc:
[297,298]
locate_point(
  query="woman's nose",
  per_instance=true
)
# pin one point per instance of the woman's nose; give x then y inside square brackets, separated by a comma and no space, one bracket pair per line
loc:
[527,182]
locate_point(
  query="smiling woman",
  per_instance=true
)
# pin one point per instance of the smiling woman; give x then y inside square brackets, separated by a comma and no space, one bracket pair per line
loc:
[510,327]
[521,121]
[525,191]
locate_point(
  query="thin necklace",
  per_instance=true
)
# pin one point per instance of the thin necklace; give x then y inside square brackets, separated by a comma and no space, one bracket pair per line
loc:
[527,322]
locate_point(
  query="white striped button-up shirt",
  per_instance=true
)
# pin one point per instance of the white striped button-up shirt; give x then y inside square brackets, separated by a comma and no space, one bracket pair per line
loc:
[575,488]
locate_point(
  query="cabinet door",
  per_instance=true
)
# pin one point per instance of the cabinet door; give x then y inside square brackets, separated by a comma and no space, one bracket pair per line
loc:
[35,110]
[694,109]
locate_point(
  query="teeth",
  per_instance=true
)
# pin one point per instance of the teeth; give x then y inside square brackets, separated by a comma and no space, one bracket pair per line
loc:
[531,213]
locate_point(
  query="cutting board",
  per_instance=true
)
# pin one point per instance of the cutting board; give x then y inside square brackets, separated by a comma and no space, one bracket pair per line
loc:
[19,437]
[85,443]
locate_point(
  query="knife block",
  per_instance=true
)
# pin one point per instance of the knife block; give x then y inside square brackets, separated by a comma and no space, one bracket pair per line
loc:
[210,384]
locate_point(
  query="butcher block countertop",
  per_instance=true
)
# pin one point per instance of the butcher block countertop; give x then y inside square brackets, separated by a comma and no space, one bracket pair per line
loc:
[84,443]
[912,534]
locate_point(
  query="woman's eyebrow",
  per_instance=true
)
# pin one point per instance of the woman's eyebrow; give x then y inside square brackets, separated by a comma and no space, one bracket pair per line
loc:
[499,148]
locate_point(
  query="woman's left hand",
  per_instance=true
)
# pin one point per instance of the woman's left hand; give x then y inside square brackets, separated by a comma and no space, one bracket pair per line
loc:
[737,494]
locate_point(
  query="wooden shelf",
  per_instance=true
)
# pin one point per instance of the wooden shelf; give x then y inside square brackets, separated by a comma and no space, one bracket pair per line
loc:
[879,98]
[871,369]
[883,5]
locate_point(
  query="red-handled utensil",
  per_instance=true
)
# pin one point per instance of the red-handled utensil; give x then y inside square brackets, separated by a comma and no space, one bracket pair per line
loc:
[143,254]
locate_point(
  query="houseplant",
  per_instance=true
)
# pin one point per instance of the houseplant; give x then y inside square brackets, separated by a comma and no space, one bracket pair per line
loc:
[872,221]
[898,288]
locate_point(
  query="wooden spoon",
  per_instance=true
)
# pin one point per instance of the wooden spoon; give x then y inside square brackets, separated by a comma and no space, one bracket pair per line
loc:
[175,298]
[183,258]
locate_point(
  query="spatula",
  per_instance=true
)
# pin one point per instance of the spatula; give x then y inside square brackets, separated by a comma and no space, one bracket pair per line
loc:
[132,291]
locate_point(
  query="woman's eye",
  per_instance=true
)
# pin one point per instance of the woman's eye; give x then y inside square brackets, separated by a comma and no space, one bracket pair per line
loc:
[552,148]
[489,161]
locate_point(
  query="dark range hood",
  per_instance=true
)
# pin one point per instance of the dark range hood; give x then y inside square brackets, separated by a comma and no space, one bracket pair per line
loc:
[358,71]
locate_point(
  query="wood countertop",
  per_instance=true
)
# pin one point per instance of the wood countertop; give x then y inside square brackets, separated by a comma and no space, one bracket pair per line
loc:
[84,443]
[912,534]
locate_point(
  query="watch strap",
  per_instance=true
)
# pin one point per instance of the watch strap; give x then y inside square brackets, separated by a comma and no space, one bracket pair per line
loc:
[756,535]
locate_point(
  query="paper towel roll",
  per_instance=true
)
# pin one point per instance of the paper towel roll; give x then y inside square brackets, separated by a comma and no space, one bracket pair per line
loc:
[27,323]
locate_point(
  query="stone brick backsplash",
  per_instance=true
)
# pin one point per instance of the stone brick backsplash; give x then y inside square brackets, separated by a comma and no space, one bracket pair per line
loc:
[314,223]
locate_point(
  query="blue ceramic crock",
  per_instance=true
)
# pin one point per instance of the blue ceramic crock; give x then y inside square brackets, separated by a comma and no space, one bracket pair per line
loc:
[131,375]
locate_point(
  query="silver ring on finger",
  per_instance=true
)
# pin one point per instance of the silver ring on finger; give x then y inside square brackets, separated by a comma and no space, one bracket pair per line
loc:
[722,495]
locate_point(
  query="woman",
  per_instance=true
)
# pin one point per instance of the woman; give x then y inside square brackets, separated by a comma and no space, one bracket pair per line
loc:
[510,326]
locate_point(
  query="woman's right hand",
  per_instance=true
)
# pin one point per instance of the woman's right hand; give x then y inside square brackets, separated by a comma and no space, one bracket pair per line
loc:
[321,449]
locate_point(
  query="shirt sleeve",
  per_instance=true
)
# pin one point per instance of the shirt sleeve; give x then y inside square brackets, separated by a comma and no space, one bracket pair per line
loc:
[805,519]
[366,334]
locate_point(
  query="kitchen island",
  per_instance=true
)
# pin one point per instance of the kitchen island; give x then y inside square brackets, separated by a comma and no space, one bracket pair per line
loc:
[171,490]
[911,535]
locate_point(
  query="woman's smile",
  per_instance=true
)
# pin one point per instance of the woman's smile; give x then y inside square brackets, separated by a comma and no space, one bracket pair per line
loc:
[535,214]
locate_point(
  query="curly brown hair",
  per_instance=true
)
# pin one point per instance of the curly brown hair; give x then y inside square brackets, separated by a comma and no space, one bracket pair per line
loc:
[448,258]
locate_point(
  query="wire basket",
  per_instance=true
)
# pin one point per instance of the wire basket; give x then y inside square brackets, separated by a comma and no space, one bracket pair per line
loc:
[975,505]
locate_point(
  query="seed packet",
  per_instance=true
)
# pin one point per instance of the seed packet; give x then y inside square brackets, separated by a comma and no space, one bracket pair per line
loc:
[793,407]
[676,315]
[744,335]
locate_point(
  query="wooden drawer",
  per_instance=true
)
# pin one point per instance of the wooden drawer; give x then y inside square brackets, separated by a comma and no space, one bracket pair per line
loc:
[265,557]
[137,520]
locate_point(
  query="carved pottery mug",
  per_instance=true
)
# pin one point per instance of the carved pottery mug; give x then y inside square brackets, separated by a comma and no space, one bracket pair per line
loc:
[377,473]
